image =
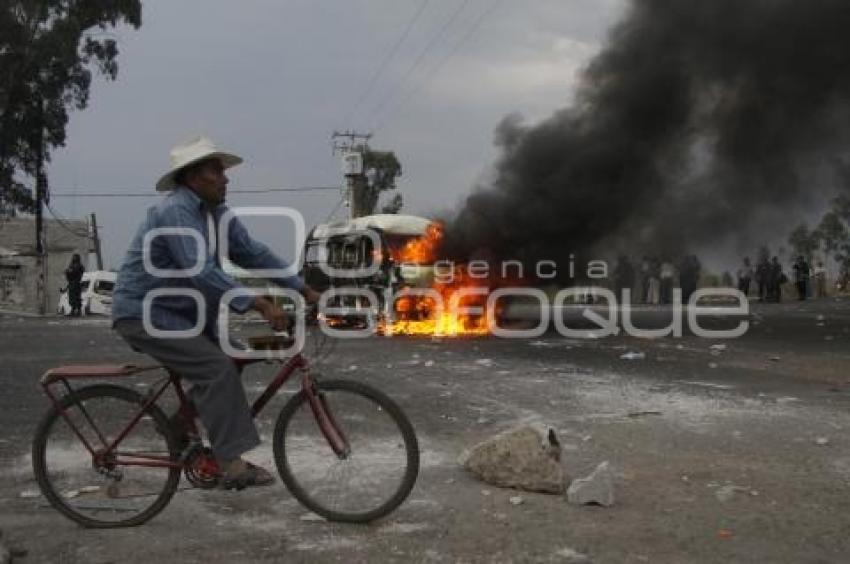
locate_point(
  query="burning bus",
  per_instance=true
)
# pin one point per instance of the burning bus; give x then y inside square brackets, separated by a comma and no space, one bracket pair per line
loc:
[366,252]
[386,265]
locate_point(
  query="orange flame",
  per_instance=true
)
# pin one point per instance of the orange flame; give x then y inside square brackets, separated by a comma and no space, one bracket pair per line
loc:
[452,309]
[422,250]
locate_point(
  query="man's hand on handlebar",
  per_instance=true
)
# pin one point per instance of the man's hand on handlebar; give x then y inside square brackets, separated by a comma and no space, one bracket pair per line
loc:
[277,318]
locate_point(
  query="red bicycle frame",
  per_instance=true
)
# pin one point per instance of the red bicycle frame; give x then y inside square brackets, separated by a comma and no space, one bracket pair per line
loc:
[111,454]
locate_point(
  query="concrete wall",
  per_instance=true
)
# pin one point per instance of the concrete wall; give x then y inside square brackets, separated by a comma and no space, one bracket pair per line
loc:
[19,273]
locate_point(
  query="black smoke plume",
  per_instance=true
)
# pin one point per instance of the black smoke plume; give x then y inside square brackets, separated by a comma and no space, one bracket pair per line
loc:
[701,122]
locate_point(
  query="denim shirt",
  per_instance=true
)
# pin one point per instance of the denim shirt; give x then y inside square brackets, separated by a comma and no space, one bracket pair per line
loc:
[184,209]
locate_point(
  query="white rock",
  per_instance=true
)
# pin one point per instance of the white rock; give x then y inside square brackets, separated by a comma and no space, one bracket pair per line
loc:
[429,363]
[520,458]
[631,355]
[571,555]
[727,492]
[516,500]
[718,347]
[311,517]
[597,488]
[822,441]
[30,494]
[484,362]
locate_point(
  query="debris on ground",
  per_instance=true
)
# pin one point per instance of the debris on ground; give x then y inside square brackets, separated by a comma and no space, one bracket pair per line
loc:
[786,399]
[308,517]
[636,414]
[724,534]
[521,458]
[484,362]
[631,355]
[822,441]
[30,494]
[706,384]
[775,358]
[718,347]
[429,363]
[516,500]
[71,494]
[727,492]
[572,555]
[596,489]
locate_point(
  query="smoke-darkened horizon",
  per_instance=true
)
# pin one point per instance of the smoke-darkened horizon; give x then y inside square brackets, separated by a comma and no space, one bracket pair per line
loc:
[699,123]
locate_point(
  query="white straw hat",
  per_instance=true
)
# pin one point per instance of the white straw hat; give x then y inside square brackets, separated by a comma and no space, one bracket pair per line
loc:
[196,150]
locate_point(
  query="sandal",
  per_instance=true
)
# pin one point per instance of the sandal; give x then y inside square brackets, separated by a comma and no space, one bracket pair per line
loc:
[250,476]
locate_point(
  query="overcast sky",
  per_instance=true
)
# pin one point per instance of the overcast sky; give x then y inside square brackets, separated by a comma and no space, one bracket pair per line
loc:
[271,80]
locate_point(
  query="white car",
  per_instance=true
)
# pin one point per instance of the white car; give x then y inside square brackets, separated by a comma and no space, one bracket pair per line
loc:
[96,295]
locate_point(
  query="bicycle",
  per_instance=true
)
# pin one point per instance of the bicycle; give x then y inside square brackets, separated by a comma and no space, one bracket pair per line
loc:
[117,460]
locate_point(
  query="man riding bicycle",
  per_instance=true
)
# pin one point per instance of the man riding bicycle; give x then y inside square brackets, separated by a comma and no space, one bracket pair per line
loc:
[197,187]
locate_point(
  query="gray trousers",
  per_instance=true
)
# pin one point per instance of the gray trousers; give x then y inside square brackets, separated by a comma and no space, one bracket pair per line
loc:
[216,391]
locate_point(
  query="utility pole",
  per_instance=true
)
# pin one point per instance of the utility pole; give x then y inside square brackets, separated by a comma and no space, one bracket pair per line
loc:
[40,243]
[352,153]
[95,236]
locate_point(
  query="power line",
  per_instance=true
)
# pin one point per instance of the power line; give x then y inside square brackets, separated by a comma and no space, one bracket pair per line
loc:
[150,194]
[436,68]
[382,67]
[336,209]
[434,40]
[62,223]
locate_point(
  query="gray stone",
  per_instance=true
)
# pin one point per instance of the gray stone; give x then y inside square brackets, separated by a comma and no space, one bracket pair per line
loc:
[520,458]
[597,488]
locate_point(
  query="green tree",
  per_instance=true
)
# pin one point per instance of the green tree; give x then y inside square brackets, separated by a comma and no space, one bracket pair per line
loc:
[803,241]
[48,50]
[394,205]
[832,232]
[381,168]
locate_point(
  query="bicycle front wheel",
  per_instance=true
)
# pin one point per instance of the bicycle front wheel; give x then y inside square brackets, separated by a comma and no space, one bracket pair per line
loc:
[120,488]
[373,478]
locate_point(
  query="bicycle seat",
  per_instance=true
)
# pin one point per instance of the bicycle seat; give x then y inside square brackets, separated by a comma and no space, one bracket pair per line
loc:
[94,371]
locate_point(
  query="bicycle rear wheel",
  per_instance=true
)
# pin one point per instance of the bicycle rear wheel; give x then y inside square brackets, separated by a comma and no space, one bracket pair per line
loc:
[109,493]
[377,474]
